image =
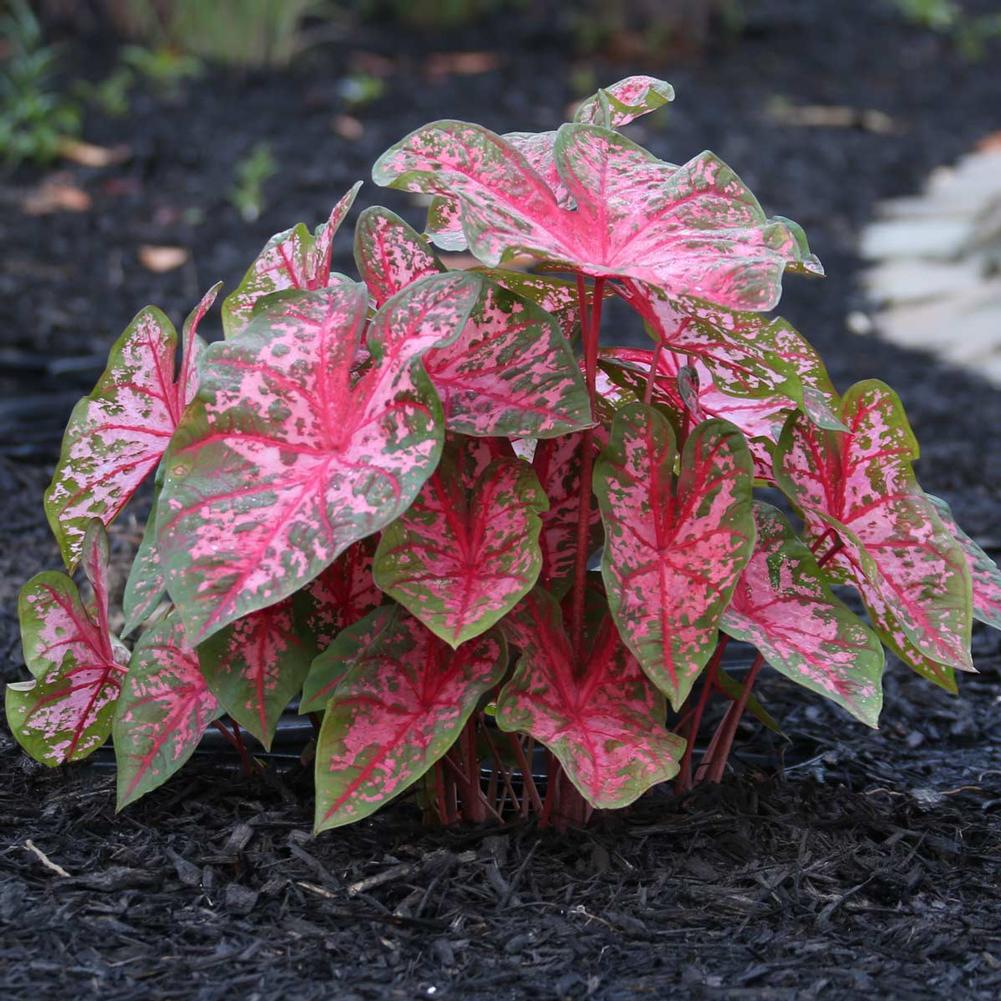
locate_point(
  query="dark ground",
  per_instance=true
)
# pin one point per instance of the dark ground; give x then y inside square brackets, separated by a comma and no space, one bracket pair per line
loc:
[870,866]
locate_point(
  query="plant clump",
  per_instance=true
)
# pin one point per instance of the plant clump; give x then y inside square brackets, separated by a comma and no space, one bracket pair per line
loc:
[495,559]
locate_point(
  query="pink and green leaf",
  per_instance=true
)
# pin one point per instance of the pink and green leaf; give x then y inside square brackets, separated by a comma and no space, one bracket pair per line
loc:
[557,464]
[66,712]
[984,572]
[293,259]
[860,484]
[403,700]
[284,462]
[602,719]
[460,559]
[624,102]
[680,229]
[163,711]
[784,606]
[673,553]
[510,373]
[146,586]
[117,435]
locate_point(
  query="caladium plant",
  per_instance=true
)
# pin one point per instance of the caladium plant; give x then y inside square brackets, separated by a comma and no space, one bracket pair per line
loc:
[388,500]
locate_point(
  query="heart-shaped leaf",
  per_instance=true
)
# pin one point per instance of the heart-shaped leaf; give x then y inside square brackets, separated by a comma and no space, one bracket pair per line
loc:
[557,464]
[625,101]
[78,665]
[164,709]
[603,721]
[690,229]
[293,259]
[467,551]
[117,435]
[403,701]
[860,485]
[283,462]
[510,373]
[784,606]
[984,572]
[673,554]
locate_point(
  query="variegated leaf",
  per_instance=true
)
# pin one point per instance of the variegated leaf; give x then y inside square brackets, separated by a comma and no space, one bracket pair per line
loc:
[78,665]
[284,463]
[692,229]
[146,586]
[256,665]
[784,606]
[984,572]
[510,373]
[164,709]
[117,435]
[557,464]
[624,102]
[293,259]
[403,701]
[461,558]
[602,719]
[673,554]
[910,571]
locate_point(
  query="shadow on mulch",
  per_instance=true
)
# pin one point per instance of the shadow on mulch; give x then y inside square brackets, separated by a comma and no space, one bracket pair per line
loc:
[870,864]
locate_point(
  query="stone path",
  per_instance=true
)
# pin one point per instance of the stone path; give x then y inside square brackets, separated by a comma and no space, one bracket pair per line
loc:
[936,276]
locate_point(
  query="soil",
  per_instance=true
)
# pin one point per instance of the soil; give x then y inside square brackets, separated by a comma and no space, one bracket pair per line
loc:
[835,863]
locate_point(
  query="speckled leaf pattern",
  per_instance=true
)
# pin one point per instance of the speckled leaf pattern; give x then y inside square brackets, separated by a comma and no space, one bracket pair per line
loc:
[284,463]
[602,719]
[557,464]
[65,713]
[401,704]
[624,102]
[256,665]
[293,259]
[146,586]
[673,554]
[784,606]
[693,229]
[510,373]
[164,709]
[908,568]
[984,572]
[117,435]
[344,593]
[459,559]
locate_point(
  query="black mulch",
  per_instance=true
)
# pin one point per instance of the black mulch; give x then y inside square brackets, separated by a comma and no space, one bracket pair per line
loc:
[869,865]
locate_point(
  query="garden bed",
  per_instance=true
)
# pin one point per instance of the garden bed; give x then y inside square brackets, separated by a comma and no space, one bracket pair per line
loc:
[870,862]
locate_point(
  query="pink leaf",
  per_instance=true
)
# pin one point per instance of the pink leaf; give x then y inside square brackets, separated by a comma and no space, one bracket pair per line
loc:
[256,665]
[403,701]
[164,709]
[293,259]
[285,463]
[66,712]
[602,719]
[510,373]
[859,487]
[673,553]
[693,229]
[557,464]
[461,558]
[985,573]
[117,435]
[625,101]
[783,606]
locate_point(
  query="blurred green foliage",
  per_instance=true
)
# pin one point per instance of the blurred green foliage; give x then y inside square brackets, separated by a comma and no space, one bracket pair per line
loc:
[250,175]
[971,33]
[35,118]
